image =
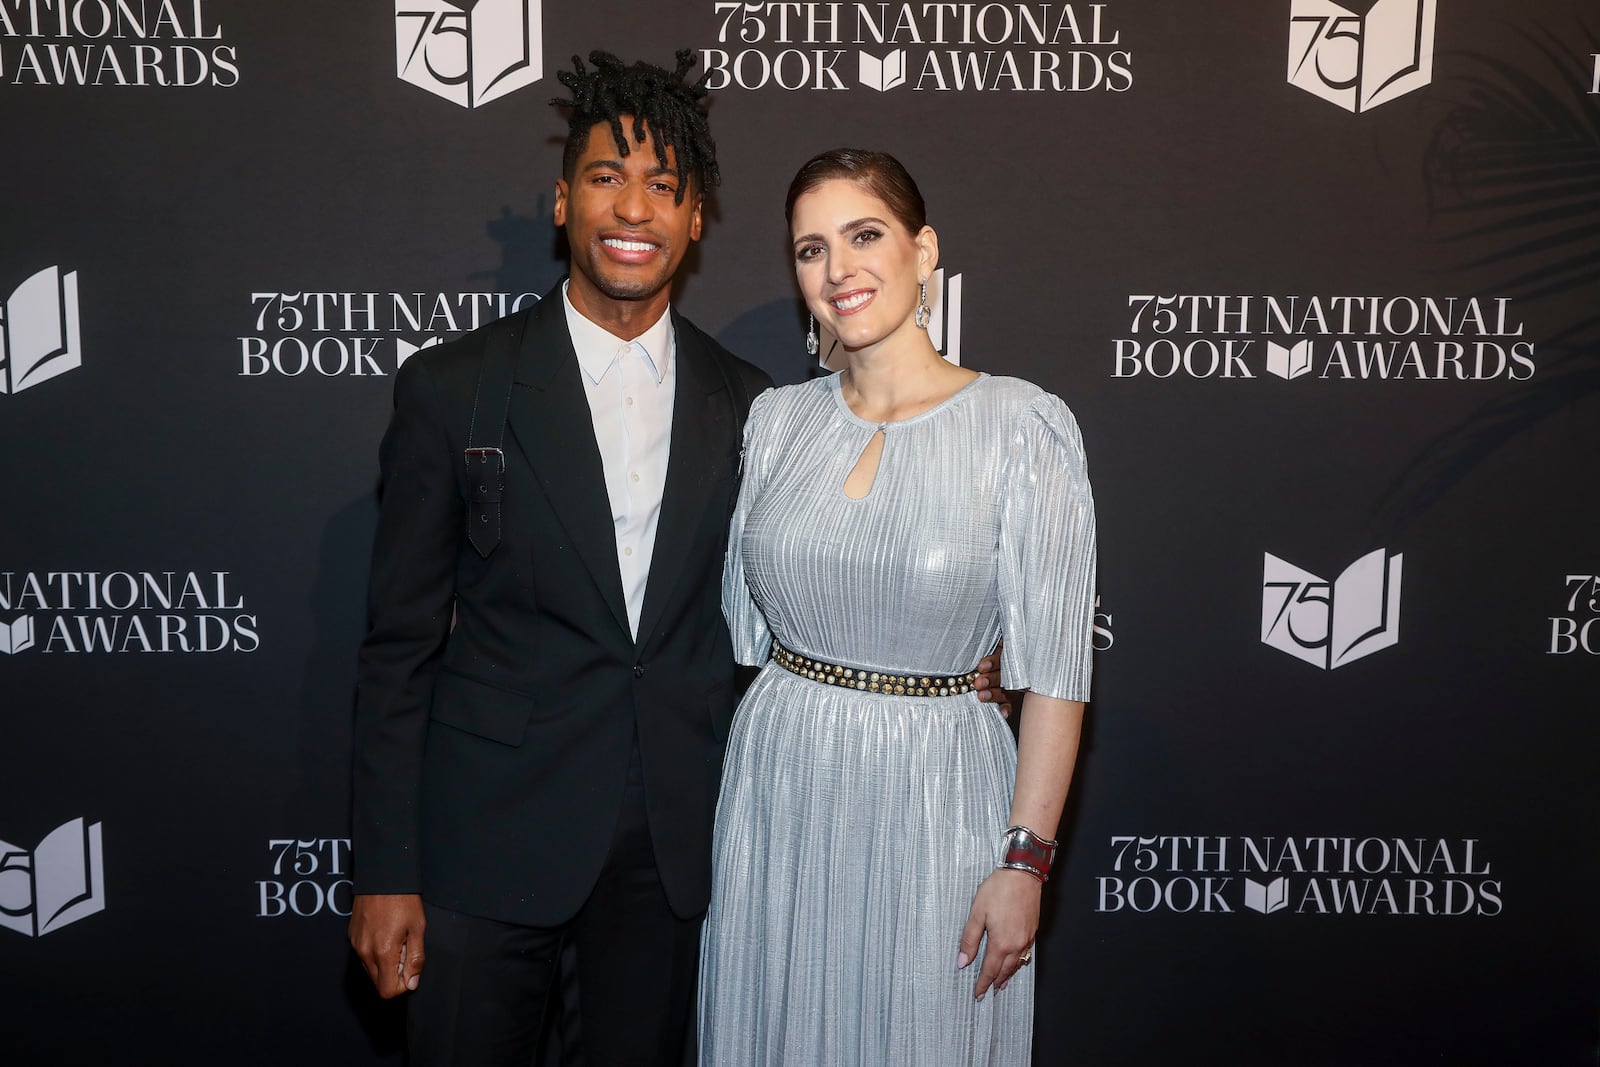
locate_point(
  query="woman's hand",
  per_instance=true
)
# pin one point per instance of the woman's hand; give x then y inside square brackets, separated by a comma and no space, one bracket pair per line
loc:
[1006,907]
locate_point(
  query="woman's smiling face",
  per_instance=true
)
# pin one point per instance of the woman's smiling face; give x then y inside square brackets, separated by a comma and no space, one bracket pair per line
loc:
[858,267]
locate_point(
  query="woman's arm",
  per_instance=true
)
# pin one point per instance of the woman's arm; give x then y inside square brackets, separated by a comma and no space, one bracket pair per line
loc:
[1006,905]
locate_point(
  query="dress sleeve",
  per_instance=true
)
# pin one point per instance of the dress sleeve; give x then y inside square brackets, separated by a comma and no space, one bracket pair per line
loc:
[1047,555]
[746,625]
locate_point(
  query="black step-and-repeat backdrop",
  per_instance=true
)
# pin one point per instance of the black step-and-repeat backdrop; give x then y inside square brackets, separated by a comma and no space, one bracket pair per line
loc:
[1320,281]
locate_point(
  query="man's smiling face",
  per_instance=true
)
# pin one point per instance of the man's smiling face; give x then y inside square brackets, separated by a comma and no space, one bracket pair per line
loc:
[627,229]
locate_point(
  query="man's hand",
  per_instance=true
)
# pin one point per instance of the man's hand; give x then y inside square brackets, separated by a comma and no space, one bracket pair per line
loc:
[988,683]
[386,932]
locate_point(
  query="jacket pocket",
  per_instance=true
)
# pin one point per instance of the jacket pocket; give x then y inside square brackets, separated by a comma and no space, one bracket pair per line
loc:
[483,710]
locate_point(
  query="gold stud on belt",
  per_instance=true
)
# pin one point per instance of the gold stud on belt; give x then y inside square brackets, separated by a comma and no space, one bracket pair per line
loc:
[872,681]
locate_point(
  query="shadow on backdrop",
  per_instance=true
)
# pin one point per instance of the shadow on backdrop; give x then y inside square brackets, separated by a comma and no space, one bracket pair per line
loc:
[1513,181]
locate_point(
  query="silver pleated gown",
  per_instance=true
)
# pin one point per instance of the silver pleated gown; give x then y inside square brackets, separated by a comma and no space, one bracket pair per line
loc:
[853,828]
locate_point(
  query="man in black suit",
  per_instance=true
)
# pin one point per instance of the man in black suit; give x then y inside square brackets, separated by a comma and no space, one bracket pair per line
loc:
[543,701]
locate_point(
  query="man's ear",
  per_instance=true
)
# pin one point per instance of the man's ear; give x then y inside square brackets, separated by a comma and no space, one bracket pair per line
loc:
[560,211]
[696,217]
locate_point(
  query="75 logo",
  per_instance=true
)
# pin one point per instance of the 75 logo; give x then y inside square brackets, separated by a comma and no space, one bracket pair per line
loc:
[1330,624]
[469,51]
[1361,61]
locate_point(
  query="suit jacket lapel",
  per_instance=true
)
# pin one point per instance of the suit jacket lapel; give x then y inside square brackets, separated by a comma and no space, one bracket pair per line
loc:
[549,416]
[702,455]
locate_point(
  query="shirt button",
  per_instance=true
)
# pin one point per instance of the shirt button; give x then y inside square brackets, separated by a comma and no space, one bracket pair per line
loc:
[627,552]
[635,477]
[628,400]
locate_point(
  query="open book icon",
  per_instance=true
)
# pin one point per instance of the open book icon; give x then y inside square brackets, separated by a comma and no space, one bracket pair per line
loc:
[1361,61]
[406,349]
[1268,898]
[39,330]
[1290,362]
[1330,625]
[55,884]
[469,51]
[16,635]
[883,74]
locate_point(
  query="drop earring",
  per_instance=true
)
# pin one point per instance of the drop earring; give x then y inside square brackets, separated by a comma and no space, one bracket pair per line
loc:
[924,313]
[811,336]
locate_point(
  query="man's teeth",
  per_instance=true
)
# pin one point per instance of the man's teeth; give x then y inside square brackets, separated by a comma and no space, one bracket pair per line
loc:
[850,303]
[630,246]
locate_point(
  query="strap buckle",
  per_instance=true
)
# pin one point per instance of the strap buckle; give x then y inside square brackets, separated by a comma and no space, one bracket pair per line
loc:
[482,455]
[484,489]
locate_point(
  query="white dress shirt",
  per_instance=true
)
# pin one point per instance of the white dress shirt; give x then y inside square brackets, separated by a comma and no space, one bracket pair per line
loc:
[630,385]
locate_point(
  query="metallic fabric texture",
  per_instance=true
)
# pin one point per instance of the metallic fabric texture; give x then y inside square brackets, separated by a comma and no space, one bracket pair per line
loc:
[853,827]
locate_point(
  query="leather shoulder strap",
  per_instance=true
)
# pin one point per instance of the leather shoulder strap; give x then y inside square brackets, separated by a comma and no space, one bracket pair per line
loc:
[486,462]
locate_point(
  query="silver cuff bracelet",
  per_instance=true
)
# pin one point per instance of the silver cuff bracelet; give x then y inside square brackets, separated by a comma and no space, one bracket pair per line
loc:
[1023,850]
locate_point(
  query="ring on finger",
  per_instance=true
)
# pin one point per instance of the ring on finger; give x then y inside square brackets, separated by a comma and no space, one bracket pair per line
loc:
[1026,957]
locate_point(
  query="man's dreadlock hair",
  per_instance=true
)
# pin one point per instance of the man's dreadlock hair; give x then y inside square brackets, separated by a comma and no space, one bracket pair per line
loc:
[661,100]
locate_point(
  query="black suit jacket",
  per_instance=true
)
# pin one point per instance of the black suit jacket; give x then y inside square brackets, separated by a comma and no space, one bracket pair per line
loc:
[490,758]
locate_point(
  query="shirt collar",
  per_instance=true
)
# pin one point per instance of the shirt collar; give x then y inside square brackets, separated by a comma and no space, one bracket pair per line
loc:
[597,347]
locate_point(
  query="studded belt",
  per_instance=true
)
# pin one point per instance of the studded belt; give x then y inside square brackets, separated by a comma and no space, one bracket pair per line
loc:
[915,685]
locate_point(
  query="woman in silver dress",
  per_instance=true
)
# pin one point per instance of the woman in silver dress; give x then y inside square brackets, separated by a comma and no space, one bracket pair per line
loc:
[881,840]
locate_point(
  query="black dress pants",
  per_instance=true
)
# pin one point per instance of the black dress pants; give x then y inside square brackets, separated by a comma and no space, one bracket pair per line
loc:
[487,986]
